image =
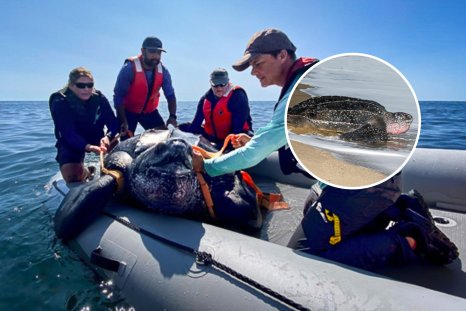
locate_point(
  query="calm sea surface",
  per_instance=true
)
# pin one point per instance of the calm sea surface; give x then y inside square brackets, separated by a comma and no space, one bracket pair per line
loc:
[37,272]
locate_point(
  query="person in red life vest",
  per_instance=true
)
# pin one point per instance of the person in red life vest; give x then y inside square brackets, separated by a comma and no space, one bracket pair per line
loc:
[272,57]
[222,110]
[80,113]
[137,90]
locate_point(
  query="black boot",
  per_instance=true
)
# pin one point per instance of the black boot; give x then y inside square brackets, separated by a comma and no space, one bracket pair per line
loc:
[418,223]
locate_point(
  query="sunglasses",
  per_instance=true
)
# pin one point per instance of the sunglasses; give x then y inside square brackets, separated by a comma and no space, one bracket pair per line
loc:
[82,85]
[219,85]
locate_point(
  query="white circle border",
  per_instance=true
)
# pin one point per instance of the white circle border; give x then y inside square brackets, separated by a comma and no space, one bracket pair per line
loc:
[396,71]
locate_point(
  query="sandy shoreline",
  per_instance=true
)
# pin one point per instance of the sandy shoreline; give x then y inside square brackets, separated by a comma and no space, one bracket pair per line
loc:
[298,95]
[322,164]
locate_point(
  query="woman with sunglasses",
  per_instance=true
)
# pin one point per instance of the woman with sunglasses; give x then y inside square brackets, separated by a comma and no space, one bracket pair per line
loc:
[222,110]
[79,113]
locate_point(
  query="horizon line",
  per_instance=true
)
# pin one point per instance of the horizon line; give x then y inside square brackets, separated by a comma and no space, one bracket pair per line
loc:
[252,100]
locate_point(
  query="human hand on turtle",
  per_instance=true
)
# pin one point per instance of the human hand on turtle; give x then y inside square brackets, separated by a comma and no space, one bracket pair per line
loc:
[104,144]
[172,120]
[197,161]
[124,131]
[239,140]
[95,149]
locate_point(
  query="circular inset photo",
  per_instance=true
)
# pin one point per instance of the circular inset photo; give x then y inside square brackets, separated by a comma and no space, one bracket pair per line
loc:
[353,121]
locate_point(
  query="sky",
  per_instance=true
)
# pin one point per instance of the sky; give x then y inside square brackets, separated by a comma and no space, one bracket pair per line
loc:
[41,41]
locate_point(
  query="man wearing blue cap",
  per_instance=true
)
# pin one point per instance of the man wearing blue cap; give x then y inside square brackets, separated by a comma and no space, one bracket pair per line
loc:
[137,90]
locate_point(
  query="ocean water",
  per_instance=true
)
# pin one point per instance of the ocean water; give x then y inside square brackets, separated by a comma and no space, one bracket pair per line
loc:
[37,271]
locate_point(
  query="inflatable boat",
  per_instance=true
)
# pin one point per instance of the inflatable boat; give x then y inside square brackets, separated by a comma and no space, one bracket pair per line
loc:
[158,262]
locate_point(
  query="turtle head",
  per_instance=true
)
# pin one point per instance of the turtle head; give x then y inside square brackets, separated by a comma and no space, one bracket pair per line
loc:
[172,156]
[162,178]
[398,123]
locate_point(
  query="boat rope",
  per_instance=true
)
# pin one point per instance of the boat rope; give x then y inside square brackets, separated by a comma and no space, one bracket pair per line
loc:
[211,155]
[206,259]
[116,174]
[209,202]
[55,185]
[200,177]
[270,201]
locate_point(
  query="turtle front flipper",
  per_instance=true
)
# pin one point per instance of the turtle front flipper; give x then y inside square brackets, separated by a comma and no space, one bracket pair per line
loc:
[374,131]
[302,125]
[82,205]
[297,121]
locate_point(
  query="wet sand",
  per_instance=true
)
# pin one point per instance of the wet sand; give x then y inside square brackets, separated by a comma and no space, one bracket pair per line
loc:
[327,167]
[298,95]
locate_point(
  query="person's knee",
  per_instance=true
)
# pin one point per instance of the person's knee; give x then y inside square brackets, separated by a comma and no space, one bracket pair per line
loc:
[185,127]
[73,172]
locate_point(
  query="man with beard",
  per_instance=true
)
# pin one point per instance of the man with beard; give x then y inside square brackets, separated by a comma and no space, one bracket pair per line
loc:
[137,90]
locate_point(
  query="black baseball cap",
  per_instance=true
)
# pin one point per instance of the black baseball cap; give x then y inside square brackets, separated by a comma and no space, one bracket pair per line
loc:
[262,42]
[153,43]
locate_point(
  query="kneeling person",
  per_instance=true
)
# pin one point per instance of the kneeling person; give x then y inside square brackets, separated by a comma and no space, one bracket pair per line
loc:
[79,113]
[224,109]
[354,227]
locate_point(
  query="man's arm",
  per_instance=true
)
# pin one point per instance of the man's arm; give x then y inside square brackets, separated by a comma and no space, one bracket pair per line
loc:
[266,140]
[196,124]
[169,93]
[122,85]
[172,110]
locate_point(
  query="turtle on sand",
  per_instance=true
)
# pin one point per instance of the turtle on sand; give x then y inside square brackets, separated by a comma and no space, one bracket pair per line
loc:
[354,119]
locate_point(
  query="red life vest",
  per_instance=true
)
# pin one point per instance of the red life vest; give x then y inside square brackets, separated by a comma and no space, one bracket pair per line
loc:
[300,63]
[218,122]
[300,66]
[137,94]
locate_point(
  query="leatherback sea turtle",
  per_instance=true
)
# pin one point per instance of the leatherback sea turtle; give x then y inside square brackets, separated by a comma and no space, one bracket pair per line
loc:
[158,175]
[354,119]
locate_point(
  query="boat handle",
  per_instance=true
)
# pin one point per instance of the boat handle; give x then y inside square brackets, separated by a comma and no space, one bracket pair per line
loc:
[106,263]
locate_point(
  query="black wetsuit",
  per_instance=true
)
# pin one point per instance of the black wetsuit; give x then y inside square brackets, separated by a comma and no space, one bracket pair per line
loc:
[78,123]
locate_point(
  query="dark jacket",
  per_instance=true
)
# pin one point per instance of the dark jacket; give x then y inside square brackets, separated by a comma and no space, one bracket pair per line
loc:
[78,123]
[288,163]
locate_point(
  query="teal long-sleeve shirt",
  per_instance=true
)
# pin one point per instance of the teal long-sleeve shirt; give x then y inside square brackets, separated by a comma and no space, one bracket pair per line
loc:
[265,141]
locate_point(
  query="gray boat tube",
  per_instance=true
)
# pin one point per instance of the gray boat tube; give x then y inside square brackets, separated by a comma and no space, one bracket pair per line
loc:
[153,275]
[440,176]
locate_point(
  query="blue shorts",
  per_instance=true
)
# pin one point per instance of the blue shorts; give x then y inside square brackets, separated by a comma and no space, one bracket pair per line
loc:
[67,154]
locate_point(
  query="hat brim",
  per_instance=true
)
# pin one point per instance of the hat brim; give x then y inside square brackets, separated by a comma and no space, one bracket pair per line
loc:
[160,49]
[243,63]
